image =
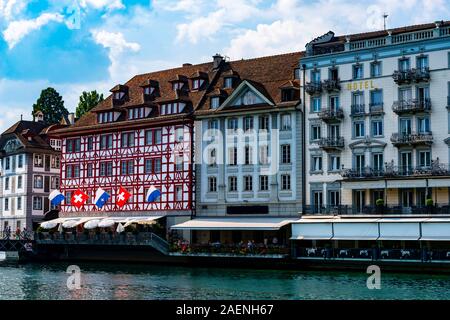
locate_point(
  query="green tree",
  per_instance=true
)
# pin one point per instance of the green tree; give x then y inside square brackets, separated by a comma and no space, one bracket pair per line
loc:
[88,100]
[51,104]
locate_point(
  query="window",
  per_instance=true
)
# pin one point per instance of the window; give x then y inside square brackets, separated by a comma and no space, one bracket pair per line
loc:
[106,169]
[422,62]
[89,170]
[19,206]
[335,163]
[248,183]
[228,83]
[157,136]
[287,95]
[286,122]
[213,126]
[316,133]
[264,154]
[37,203]
[403,64]
[334,103]
[378,162]
[316,164]
[335,198]
[149,90]
[90,143]
[105,117]
[212,184]
[54,183]
[360,162]
[152,166]
[423,125]
[157,166]
[38,161]
[19,182]
[375,69]
[377,128]
[215,102]
[55,162]
[6,183]
[232,156]
[232,184]
[358,71]
[286,154]
[264,183]
[376,98]
[179,162]
[136,113]
[106,142]
[6,204]
[248,123]
[197,84]
[73,145]
[38,182]
[248,157]
[425,159]
[315,76]
[285,182]
[264,123]
[405,126]
[233,124]
[55,144]
[127,139]
[7,163]
[20,161]
[297,73]
[179,134]
[127,167]
[178,193]
[316,103]
[178,85]
[212,158]
[358,129]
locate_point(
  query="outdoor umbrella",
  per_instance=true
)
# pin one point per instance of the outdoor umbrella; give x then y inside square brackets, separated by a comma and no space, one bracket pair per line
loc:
[48,225]
[70,224]
[60,227]
[120,228]
[106,223]
[92,224]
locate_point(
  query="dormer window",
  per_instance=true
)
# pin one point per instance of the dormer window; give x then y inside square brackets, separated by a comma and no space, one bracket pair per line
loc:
[177,85]
[287,95]
[149,90]
[105,117]
[215,102]
[228,83]
[119,95]
[172,108]
[197,84]
[137,113]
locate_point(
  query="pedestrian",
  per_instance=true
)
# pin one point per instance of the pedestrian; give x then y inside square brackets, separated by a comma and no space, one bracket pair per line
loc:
[275,241]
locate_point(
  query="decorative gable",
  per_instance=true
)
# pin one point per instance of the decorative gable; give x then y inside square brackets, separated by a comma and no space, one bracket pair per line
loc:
[246,95]
[12,145]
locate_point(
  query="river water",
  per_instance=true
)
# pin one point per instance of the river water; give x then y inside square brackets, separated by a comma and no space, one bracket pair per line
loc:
[118,281]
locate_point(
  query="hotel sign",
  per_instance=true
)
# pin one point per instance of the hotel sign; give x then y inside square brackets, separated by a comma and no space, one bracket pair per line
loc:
[361,85]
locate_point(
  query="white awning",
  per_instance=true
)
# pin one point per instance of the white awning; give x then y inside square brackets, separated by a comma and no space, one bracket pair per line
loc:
[441,183]
[256,223]
[401,184]
[399,230]
[356,230]
[354,185]
[438,230]
[319,230]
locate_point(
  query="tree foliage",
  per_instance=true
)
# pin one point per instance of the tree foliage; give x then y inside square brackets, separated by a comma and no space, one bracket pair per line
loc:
[88,100]
[51,104]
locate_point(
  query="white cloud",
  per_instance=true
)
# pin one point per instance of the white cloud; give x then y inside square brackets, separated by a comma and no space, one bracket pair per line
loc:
[103,4]
[11,8]
[179,5]
[17,30]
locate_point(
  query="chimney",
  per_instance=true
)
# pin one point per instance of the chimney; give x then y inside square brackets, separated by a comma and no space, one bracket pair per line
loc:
[39,116]
[71,118]
[217,59]
[187,65]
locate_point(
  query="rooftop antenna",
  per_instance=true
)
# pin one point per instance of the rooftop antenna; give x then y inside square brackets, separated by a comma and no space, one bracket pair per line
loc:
[385,16]
[21,117]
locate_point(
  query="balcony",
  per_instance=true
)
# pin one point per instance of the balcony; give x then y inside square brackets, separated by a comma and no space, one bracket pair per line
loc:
[376,108]
[412,139]
[332,143]
[313,88]
[393,210]
[358,110]
[332,85]
[411,106]
[331,115]
[411,75]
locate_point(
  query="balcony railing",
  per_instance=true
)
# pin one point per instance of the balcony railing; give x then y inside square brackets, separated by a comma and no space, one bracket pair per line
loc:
[338,210]
[376,108]
[313,88]
[411,75]
[332,85]
[331,115]
[412,106]
[389,171]
[412,139]
[332,143]
[358,109]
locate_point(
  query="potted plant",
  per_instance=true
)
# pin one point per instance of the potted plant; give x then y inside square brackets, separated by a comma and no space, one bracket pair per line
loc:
[380,206]
[430,205]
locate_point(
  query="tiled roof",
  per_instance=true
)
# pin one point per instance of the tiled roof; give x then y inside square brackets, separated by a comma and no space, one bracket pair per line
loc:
[267,74]
[30,133]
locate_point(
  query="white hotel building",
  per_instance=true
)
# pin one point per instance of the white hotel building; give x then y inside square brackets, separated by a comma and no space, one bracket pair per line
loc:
[377,121]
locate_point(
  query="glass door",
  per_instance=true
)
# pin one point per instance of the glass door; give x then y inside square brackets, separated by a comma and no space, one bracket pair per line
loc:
[360,201]
[406,163]
[334,131]
[360,163]
[405,127]
[318,201]
[407,199]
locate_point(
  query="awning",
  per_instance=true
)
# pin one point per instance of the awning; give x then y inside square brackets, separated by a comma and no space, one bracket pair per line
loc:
[356,230]
[399,230]
[320,230]
[402,184]
[257,223]
[359,185]
[436,230]
[439,183]
[80,220]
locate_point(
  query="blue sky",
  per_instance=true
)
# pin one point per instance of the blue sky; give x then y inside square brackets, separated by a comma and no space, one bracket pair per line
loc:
[76,45]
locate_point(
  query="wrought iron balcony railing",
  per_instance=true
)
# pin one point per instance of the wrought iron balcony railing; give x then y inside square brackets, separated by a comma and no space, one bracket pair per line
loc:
[332,85]
[412,139]
[412,106]
[376,108]
[358,109]
[331,115]
[313,88]
[332,143]
[338,210]
[411,75]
